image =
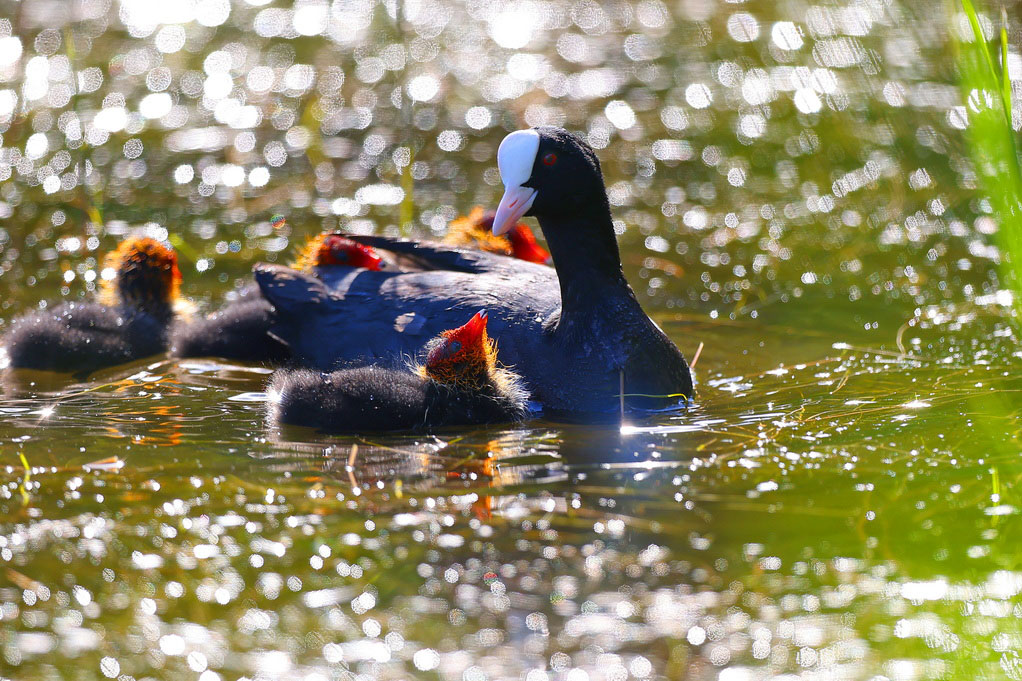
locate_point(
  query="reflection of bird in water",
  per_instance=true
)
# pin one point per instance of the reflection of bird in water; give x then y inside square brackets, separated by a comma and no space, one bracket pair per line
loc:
[159,424]
[144,407]
[368,465]
[128,322]
[413,465]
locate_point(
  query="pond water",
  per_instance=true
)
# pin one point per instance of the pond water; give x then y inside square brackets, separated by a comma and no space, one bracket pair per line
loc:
[794,196]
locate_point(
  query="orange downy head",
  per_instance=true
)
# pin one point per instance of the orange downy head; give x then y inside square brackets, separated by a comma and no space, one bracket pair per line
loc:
[463,357]
[473,231]
[146,274]
[524,245]
[336,249]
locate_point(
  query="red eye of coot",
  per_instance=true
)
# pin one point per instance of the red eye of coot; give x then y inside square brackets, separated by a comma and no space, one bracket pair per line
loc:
[550,159]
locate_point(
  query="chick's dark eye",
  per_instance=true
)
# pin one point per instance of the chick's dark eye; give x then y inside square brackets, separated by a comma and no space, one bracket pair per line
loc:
[453,347]
[550,159]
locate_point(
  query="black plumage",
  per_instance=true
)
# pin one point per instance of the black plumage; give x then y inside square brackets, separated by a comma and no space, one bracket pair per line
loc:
[379,398]
[574,337]
[130,322]
[82,337]
[239,330]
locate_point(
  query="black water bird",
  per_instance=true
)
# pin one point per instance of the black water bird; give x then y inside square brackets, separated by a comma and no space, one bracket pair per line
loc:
[129,321]
[580,339]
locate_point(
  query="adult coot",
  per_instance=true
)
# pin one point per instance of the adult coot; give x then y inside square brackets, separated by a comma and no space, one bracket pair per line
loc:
[459,384]
[579,339]
[129,321]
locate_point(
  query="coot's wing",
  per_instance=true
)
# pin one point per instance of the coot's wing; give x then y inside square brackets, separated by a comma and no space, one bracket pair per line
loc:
[288,287]
[425,255]
[344,317]
[335,322]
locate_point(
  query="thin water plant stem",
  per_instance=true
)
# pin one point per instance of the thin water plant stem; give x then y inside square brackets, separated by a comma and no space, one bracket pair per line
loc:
[995,492]
[406,214]
[1005,78]
[621,392]
[23,487]
[408,200]
[91,201]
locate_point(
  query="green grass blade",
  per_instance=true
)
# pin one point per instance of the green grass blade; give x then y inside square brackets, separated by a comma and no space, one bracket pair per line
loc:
[1005,79]
[992,143]
[977,32]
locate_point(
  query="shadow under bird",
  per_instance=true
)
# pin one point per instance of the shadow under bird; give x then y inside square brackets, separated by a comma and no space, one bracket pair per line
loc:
[459,383]
[129,321]
[576,334]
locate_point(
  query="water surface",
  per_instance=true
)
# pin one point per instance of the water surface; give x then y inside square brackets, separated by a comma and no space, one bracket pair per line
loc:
[792,193]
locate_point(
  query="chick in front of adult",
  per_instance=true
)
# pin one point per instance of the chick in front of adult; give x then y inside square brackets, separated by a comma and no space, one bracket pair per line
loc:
[459,383]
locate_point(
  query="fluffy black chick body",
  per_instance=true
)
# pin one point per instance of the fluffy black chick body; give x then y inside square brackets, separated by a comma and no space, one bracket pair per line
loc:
[459,383]
[129,322]
[82,337]
[238,331]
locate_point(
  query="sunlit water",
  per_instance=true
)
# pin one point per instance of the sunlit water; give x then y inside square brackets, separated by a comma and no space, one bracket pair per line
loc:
[793,194]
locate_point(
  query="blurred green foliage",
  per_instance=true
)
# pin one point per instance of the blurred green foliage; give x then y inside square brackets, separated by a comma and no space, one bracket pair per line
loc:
[986,88]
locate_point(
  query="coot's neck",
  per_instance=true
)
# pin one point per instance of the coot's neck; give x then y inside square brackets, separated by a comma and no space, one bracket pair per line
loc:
[588,263]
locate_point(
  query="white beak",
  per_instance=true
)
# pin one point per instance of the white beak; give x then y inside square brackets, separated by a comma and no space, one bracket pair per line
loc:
[515,158]
[513,205]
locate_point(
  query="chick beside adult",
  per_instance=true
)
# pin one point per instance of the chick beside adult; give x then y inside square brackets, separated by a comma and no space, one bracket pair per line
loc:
[240,329]
[128,322]
[458,384]
[475,231]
